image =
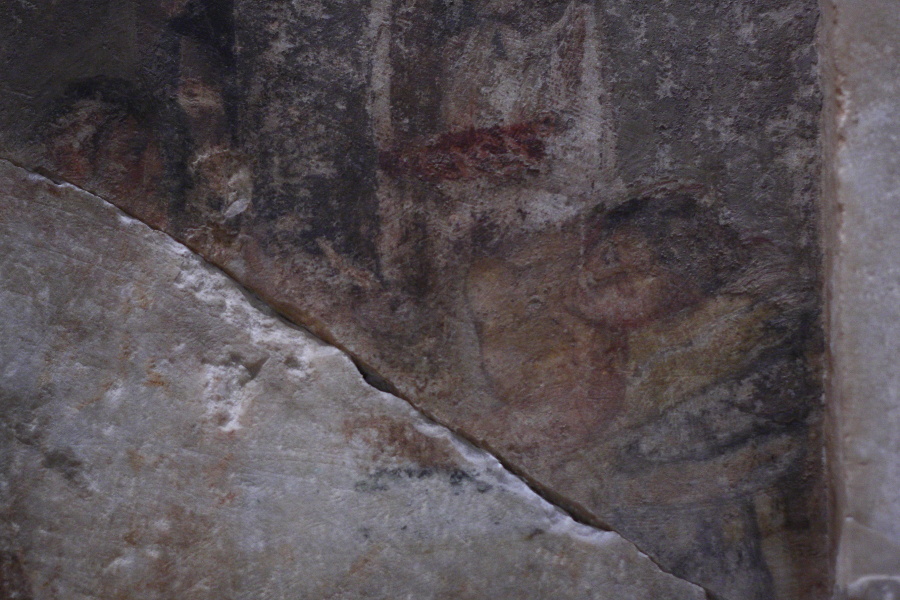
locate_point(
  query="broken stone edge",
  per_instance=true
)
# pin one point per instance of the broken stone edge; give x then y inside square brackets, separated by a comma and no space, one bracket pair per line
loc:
[566,519]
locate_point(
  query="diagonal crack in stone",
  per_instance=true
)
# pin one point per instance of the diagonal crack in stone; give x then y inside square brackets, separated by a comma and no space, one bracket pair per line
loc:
[462,439]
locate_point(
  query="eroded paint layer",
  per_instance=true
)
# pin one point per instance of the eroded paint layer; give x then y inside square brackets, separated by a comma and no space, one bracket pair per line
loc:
[582,234]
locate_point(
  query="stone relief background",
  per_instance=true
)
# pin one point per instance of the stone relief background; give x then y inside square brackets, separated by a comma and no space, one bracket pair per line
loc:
[580,235]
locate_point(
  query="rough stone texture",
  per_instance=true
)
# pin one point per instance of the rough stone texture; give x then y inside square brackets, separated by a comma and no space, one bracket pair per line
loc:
[163,435]
[580,234]
[862,45]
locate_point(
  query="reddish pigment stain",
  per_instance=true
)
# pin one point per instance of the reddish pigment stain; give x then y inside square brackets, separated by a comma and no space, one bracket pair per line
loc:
[504,151]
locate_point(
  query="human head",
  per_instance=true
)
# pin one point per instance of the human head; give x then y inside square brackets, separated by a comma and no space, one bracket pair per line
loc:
[653,256]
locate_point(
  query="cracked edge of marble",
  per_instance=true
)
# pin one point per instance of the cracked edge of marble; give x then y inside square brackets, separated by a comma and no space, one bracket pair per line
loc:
[564,523]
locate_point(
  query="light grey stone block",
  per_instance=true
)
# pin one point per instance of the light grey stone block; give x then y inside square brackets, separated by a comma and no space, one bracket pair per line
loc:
[862,52]
[164,435]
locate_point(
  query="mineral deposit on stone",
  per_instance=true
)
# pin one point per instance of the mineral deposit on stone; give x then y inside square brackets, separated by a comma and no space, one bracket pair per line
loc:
[163,435]
[582,235]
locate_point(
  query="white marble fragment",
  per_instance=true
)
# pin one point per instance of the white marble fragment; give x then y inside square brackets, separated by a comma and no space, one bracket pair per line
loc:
[164,435]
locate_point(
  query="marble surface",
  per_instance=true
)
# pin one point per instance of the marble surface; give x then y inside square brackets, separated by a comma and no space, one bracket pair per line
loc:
[163,434]
[862,48]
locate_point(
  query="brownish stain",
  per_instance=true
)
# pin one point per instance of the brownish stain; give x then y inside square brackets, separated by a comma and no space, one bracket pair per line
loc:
[219,471]
[132,537]
[570,49]
[100,147]
[227,499]
[188,533]
[98,397]
[501,150]
[136,460]
[155,379]
[397,439]
[552,371]
[364,563]
[186,547]
[187,528]
[14,584]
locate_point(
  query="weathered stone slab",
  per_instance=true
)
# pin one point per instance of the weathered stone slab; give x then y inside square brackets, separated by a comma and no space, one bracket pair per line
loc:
[862,48]
[166,436]
[582,234]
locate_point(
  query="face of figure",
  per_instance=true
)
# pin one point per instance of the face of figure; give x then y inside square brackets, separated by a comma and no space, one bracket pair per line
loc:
[623,285]
[554,323]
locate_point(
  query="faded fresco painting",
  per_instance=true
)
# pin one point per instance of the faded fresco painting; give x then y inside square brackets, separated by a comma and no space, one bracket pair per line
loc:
[582,235]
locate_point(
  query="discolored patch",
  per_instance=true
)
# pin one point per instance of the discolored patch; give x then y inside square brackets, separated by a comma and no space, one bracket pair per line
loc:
[64,462]
[107,137]
[14,584]
[381,480]
[501,150]
[392,439]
